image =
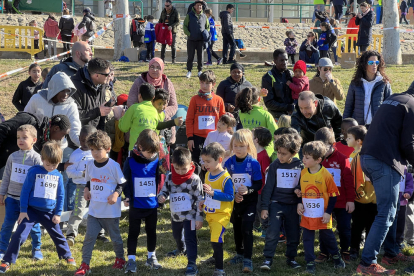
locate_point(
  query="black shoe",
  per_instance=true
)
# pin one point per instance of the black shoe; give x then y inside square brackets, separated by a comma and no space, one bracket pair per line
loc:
[242,55]
[176,252]
[102,238]
[310,268]
[338,262]
[266,265]
[292,263]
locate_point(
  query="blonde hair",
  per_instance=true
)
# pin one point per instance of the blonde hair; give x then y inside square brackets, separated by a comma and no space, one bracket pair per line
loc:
[30,129]
[66,12]
[52,152]
[245,137]
[284,121]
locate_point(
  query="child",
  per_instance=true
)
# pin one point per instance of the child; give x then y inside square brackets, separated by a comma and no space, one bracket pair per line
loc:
[406,191]
[299,82]
[324,40]
[51,28]
[218,202]
[203,114]
[280,131]
[252,115]
[45,71]
[342,145]
[335,24]
[149,39]
[338,165]
[291,44]
[404,10]
[185,190]
[319,194]
[15,173]
[247,178]
[284,121]
[104,184]
[27,88]
[279,200]
[141,170]
[79,158]
[213,35]
[33,23]
[140,116]
[41,201]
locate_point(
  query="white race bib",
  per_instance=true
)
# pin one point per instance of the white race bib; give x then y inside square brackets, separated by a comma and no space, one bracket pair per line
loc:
[314,207]
[287,178]
[180,202]
[402,184]
[336,174]
[207,122]
[46,186]
[19,172]
[212,203]
[100,191]
[241,178]
[145,187]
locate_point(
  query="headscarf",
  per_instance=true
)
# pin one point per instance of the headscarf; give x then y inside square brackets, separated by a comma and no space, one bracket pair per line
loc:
[156,82]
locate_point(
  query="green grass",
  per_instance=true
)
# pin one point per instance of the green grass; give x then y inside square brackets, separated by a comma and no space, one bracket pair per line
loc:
[103,255]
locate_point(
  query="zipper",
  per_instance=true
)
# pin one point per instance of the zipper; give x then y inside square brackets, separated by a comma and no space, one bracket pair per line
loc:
[24,156]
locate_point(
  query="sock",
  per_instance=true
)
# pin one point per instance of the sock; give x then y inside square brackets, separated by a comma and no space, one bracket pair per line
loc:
[150,254]
[131,257]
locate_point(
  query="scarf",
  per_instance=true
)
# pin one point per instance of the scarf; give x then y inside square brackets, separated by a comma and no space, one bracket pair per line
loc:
[137,152]
[180,179]
[208,96]
[156,82]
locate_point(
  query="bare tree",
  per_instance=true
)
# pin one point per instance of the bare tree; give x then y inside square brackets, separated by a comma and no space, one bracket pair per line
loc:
[121,28]
[392,46]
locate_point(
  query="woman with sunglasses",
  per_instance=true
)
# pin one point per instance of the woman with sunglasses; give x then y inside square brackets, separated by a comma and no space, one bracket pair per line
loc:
[368,89]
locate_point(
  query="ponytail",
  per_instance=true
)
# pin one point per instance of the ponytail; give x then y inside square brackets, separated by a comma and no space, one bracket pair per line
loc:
[247,98]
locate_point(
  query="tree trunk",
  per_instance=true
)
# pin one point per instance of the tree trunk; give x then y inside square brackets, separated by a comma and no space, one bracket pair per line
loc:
[121,29]
[270,16]
[391,41]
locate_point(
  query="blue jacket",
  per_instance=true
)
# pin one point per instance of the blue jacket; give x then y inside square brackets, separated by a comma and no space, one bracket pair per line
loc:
[354,104]
[38,174]
[323,43]
[149,33]
[213,32]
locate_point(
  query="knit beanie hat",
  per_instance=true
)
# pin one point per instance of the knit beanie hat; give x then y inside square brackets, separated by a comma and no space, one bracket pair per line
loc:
[300,64]
[121,99]
[236,66]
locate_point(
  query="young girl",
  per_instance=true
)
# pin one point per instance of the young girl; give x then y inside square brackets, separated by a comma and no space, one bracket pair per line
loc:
[247,178]
[335,24]
[27,88]
[252,115]
[323,42]
[51,28]
[213,35]
[291,44]
[33,23]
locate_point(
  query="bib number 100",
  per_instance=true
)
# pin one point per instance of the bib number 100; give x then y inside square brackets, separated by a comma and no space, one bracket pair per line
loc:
[97,188]
[313,205]
[47,185]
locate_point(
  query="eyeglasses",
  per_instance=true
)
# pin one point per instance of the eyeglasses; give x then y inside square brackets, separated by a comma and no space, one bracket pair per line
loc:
[155,68]
[327,69]
[371,62]
[104,74]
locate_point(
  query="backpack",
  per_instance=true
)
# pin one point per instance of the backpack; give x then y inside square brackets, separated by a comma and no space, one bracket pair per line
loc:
[93,26]
[331,39]
[239,43]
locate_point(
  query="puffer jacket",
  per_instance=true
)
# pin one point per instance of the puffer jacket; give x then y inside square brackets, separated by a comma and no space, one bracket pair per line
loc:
[365,28]
[173,21]
[327,115]
[66,25]
[354,104]
[332,90]
[226,22]
[87,21]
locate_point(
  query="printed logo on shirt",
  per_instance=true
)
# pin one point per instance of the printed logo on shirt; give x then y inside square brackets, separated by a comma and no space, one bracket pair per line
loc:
[232,167]
[391,102]
[334,165]
[207,109]
[249,167]
[313,192]
[102,180]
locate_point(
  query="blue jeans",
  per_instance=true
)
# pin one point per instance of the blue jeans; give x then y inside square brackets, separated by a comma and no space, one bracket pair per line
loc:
[343,224]
[319,7]
[386,184]
[334,53]
[12,214]
[69,194]
[314,59]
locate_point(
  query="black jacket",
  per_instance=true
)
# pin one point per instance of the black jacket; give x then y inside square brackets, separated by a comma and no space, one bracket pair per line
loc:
[67,66]
[138,35]
[390,135]
[279,99]
[327,115]
[66,25]
[228,90]
[87,21]
[24,92]
[365,28]
[404,7]
[173,21]
[226,23]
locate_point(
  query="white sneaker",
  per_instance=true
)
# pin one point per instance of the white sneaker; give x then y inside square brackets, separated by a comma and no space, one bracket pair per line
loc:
[199,73]
[337,64]
[188,74]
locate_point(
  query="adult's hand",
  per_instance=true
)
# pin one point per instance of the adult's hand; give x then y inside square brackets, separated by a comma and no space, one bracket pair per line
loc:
[105,110]
[169,28]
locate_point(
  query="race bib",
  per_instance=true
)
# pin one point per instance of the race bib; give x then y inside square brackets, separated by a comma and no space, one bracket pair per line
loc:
[145,187]
[46,186]
[402,184]
[180,202]
[336,174]
[19,172]
[212,203]
[207,122]
[241,178]
[100,191]
[314,207]
[287,178]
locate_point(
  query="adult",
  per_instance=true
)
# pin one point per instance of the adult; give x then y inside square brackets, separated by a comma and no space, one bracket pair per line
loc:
[51,29]
[155,76]
[195,27]
[81,54]
[279,98]
[365,21]
[352,29]
[66,26]
[308,51]
[319,5]
[404,11]
[383,161]
[230,87]
[338,4]
[368,89]
[324,83]
[227,33]
[88,21]
[171,17]
[313,113]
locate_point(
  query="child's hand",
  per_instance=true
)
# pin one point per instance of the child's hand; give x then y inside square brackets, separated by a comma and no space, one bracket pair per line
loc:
[190,145]
[406,196]
[263,92]
[199,225]
[326,218]
[208,190]
[87,194]
[298,192]
[161,199]
[178,121]
[231,108]
[56,219]
[238,198]
[242,190]
[350,207]
[22,216]
[200,205]
[264,214]
[126,202]
[1,200]
[203,167]
[300,209]
[288,82]
[112,199]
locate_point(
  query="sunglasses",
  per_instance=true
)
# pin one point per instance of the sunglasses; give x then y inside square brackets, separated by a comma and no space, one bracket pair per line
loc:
[371,62]
[327,69]
[104,74]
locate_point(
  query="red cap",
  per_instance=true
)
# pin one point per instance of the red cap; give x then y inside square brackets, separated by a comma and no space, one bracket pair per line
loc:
[121,99]
[300,64]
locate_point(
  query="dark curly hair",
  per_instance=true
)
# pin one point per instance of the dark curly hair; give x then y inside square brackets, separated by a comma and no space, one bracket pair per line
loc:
[247,98]
[361,65]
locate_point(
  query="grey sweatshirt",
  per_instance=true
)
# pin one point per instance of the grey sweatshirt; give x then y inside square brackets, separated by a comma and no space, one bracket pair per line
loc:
[15,171]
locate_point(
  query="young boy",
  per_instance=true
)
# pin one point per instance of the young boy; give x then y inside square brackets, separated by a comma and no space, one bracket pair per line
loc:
[149,38]
[15,173]
[79,158]
[185,190]
[41,201]
[140,116]
[203,114]
[218,202]
[319,194]
[104,184]
[342,145]
[300,82]
[141,170]
[338,165]
[279,200]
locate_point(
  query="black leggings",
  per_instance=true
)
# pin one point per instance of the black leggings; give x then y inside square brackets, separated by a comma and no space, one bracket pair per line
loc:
[362,218]
[243,236]
[135,229]
[403,17]
[292,58]
[66,46]
[218,254]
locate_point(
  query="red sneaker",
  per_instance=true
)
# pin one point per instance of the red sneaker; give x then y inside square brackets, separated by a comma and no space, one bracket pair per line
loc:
[84,269]
[119,263]
[399,258]
[321,258]
[282,238]
[374,270]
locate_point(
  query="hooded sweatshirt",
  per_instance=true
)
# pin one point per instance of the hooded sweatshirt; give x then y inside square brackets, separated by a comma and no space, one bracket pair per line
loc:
[66,25]
[368,88]
[51,28]
[42,104]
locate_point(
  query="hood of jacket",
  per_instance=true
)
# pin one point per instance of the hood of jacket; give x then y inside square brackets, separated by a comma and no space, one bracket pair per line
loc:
[66,16]
[377,79]
[51,23]
[60,81]
[70,63]
[223,14]
[90,16]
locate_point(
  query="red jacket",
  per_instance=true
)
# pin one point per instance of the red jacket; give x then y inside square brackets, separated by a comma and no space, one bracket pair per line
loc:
[264,162]
[338,165]
[352,24]
[51,28]
[299,85]
[162,34]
